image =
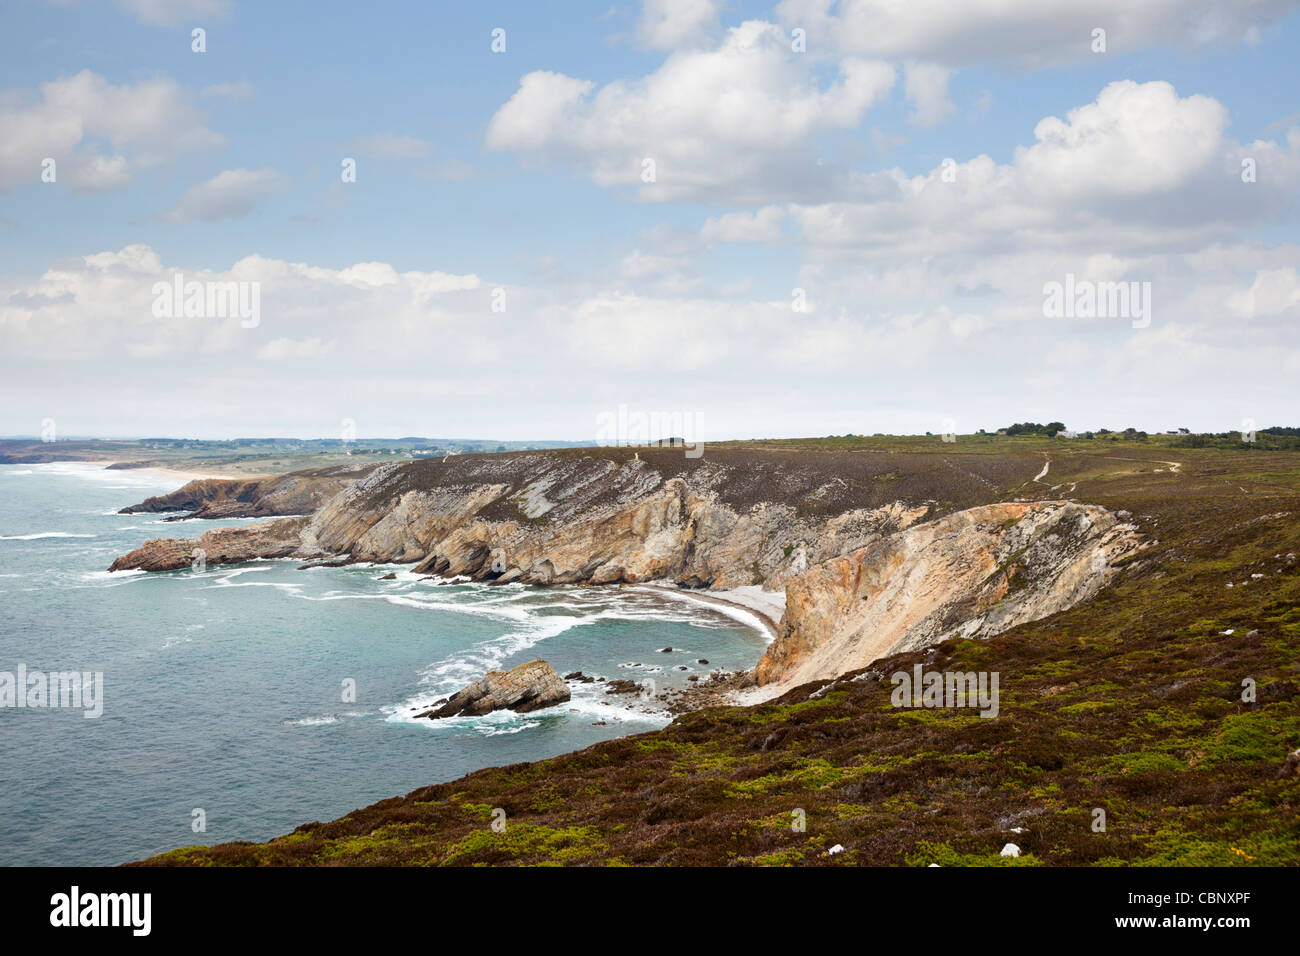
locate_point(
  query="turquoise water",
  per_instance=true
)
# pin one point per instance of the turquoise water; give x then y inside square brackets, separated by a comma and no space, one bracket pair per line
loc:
[223,690]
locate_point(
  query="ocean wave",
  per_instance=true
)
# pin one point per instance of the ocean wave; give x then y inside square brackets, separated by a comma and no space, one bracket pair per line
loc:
[42,534]
[495,724]
[312,721]
[590,700]
[113,575]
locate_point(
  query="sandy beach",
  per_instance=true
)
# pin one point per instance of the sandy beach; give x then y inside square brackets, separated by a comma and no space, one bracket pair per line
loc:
[181,477]
[761,607]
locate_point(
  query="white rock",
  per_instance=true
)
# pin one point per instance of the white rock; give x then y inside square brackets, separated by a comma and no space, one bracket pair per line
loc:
[837,848]
[932,864]
[1011,850]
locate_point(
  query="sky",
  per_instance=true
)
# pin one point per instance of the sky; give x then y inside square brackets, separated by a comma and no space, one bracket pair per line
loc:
[749,220]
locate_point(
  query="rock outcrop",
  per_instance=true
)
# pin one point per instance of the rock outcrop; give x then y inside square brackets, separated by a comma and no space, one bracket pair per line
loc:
[296,493]
[971,574]
[528,687]
[272,539]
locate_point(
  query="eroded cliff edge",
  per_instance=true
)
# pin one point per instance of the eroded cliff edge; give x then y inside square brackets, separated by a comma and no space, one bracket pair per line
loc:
[872,561]
[971,574]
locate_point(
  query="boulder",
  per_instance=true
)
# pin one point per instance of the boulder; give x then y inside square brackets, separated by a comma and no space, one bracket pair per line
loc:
[526,688]
[1290,766]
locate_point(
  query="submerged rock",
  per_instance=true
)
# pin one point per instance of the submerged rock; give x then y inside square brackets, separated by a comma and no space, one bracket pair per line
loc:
[528,687]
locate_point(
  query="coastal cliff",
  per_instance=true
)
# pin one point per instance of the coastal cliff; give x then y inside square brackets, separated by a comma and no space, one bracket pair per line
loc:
[295,493]
[971,574]
[864,577]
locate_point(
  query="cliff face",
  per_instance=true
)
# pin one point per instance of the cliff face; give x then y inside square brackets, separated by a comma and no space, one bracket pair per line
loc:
[971,574]
[588,521]
[861,582]
[296,493]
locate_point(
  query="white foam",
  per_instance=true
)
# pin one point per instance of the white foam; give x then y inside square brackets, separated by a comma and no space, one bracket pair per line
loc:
[590,700]
[112,575]
[42,534]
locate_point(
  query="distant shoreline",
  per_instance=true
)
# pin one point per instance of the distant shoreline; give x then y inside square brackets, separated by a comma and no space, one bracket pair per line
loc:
[169,474]
[184,477]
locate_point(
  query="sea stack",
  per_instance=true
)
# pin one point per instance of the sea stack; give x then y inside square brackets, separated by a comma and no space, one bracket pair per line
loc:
[528,687]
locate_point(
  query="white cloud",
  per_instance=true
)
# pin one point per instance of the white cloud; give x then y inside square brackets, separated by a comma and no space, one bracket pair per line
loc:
[102,306]
[883,346]
[1031,32]
[763,225]
[97,173]
[1273,292]
[739,121]
[1123,173]
[528,119]
[1135,138]
[230,194]
[926,86]
[666,24]
[96,130]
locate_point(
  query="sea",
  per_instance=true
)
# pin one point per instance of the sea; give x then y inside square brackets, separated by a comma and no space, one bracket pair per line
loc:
[238,702]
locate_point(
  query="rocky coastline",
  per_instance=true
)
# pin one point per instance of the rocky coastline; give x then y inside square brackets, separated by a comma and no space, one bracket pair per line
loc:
[862,577]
